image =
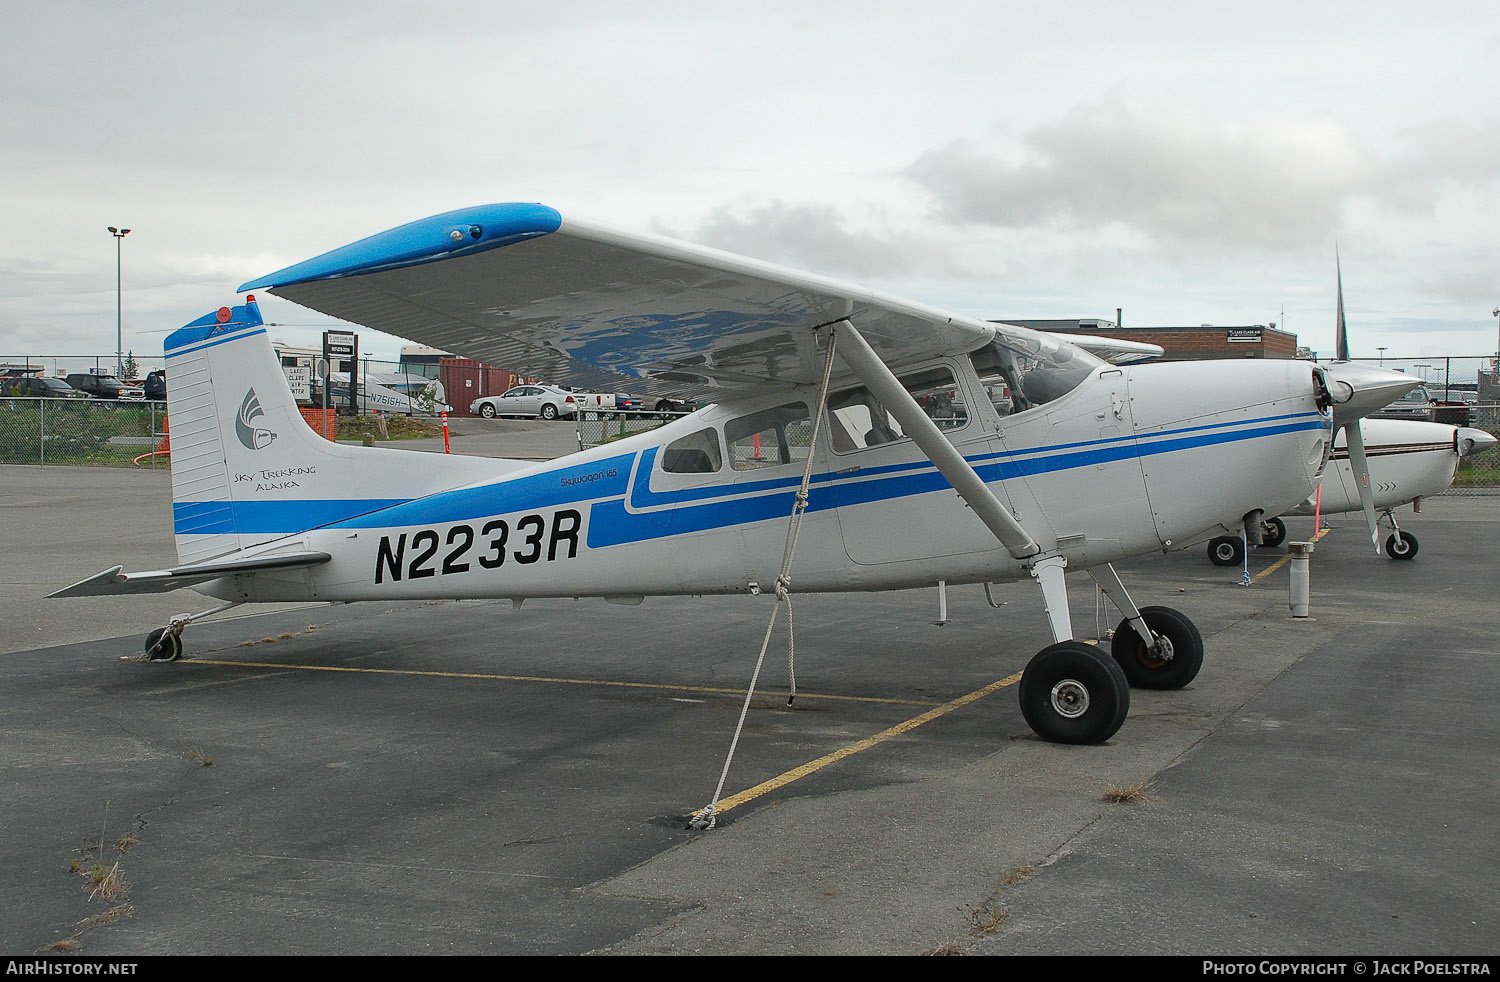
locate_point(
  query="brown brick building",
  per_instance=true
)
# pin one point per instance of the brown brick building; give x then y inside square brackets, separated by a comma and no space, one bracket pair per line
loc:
[1182,343]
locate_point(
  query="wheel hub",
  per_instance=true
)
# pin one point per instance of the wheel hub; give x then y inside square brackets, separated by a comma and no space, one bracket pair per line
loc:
[1160,653]
[1070,698]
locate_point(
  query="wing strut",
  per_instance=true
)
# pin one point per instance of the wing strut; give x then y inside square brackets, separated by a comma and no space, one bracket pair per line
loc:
[859,356]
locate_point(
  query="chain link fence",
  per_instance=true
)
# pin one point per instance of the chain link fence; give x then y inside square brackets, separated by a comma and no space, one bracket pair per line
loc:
[121,434]
[1466,392]
[86,432]
[601,426]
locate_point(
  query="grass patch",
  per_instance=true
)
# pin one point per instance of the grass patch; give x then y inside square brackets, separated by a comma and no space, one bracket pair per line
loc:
[1018,874]
[111,916]
[99,864]
[66,944]
[383,428]
[1134,794]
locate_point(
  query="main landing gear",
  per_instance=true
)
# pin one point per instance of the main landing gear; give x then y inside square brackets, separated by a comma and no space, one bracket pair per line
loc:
[165,643]
[1229,550]
[1072,692]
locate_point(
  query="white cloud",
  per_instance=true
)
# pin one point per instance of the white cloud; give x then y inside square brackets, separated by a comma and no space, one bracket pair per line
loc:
[1175,174]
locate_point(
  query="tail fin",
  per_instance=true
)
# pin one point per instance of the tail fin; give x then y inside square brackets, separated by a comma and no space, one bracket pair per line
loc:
[246,467]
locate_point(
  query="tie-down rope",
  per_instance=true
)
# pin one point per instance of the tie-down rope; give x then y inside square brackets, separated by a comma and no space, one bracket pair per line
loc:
[706,817]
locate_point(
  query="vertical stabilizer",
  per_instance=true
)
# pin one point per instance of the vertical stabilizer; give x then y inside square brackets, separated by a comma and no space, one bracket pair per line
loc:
[246,467]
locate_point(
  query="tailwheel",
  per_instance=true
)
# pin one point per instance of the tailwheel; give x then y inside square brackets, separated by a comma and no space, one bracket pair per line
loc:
[1226,550]
[163,644]
[1172,662]
[1072,692]
[1401,545]
[1272,532]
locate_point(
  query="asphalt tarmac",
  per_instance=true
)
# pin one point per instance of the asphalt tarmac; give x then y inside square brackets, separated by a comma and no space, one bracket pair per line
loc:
[473,779]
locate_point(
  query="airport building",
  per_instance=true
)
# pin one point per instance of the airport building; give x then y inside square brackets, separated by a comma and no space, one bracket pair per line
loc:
[1199,343]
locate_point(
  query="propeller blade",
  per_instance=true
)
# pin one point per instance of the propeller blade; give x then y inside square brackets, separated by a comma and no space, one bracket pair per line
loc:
[1354,439]
[1341,336]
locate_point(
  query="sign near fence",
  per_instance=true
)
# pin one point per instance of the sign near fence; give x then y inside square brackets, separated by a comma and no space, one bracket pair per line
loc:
[299,377]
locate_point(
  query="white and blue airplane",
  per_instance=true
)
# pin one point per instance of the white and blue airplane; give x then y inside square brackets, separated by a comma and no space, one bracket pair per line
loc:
[1376,465]
[1409,460]
[870,422]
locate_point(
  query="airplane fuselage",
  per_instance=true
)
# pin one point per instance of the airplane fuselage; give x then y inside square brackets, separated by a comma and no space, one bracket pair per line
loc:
[1127,462]
[1409,459]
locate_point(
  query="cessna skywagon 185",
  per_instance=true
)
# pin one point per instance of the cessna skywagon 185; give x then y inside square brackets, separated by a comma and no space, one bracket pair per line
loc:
[851,443]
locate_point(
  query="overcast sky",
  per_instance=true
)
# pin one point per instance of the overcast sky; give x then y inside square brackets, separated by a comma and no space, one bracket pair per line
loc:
[1187,162]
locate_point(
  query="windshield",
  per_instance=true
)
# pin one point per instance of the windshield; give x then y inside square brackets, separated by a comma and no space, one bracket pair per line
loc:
[1022,372]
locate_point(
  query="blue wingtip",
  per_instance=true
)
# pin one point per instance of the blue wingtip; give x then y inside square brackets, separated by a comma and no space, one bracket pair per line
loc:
[444,236]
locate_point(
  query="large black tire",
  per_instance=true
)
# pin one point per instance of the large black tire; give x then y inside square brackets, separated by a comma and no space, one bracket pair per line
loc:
[1072,692]
[487,410]
[1175,665]
[1401,545]
[1226,550]
[549,412]
[1272,532]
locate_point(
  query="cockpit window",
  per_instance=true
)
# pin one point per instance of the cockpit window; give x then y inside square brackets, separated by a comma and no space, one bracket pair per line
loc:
[857,420]
[1019,373]
[770,437]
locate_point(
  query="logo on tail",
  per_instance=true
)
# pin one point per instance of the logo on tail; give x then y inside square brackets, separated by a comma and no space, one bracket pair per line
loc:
[253,437]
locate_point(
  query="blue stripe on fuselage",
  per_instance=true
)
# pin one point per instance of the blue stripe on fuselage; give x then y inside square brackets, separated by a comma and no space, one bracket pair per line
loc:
[607,484]
[566,485]
[613,523]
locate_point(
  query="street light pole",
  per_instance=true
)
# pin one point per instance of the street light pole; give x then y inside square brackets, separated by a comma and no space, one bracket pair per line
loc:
[1496,314]
[119,233]
[1382,356]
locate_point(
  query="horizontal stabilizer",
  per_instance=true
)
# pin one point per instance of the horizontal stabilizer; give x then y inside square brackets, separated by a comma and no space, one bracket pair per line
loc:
[114,580]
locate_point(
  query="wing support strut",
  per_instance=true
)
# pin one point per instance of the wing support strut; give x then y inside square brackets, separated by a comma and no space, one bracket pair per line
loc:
[1109,583]
[858,355]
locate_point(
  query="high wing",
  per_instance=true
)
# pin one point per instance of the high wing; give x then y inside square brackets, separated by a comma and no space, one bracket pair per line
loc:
[580,304]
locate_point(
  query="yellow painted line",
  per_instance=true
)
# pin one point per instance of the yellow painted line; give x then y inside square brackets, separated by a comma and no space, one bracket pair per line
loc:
[1271,568]
[1285,559]
[553,680]
[724,804]
[811,767]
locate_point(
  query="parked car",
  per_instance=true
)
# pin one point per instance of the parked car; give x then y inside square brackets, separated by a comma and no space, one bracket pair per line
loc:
[156,385]
[40,386]
[545,401]
[104,387]
[1468,396]
[1416,404]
